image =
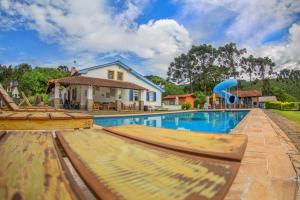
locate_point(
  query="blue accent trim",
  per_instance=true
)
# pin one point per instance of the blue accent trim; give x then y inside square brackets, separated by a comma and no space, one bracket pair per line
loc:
[127,68]
[147,96]
[130,95]
[154,96]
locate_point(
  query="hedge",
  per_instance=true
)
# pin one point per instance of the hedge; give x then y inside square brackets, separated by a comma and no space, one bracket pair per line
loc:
[279,105]
[186,105]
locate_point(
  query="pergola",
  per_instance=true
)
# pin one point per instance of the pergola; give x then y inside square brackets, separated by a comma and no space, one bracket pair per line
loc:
[90,82]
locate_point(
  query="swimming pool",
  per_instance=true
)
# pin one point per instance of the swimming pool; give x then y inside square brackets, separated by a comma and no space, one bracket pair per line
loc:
[212,121]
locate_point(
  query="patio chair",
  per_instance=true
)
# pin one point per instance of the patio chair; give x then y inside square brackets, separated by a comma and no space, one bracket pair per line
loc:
[96,106]
[151,108]
[111,106]
[12,106]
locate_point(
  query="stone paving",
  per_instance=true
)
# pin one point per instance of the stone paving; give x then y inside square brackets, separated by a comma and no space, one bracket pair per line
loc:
[266,171]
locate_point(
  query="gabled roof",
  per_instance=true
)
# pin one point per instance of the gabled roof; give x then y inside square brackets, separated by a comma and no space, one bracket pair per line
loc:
[247,93]
[125,67]
[85,80]
[267,98]
[179,96]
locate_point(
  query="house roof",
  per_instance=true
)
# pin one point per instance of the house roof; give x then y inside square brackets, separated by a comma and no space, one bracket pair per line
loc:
[179,96]
[125,67]
[267,98]
[84,80]
[245,93]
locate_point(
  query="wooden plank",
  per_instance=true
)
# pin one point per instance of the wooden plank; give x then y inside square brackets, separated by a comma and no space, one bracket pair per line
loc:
[121,168]
[19,116]
[8,100]
[80,115]
[30,168]
[4,115]
[45,124]
[59,115]
[39,116]
[213,145]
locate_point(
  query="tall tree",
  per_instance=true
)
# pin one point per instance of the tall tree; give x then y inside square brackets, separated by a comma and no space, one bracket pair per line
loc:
[249,66]
[183,70]
[63,69]
[265,66]
[229,58]
[205,56]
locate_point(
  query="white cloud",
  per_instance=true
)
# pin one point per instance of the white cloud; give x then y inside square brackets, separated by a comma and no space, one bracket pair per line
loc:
[94,27]
[286,54]
[247,21]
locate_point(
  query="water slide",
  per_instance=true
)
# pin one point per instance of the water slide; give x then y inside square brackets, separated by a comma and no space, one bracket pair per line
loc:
[221,88]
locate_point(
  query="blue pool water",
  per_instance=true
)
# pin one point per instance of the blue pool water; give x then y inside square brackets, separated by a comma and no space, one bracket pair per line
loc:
[213,121]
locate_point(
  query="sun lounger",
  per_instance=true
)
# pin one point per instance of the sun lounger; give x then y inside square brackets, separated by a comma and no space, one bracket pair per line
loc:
[229,147]
[31,168]
[115,167]
[44,120]
[25,100]
[14,107]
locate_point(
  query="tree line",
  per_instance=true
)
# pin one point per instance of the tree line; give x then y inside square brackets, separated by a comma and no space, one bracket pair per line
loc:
[204,66]
[30,80]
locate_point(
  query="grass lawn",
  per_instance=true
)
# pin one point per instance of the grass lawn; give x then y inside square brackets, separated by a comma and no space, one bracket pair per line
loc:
[292,115]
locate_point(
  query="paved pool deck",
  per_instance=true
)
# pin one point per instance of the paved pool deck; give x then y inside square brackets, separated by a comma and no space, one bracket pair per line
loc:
[266,170]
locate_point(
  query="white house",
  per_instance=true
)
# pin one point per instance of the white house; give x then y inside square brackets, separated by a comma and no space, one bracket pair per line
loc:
[114,84]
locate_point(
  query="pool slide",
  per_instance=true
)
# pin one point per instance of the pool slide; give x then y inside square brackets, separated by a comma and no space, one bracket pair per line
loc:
[221,88]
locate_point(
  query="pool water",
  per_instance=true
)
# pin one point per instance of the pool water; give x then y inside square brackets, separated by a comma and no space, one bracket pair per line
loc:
[212,121]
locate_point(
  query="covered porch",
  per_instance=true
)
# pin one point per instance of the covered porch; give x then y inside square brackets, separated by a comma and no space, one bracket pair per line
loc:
[94,94]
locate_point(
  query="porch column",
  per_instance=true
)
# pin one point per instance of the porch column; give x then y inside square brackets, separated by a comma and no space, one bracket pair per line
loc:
[90,100]
[118,105]
[141,105]
[82,100]
[56,96]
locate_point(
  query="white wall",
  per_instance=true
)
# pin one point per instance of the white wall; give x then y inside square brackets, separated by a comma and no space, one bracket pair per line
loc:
[129,77]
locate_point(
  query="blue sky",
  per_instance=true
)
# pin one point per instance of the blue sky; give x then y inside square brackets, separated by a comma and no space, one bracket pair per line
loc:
[146,34]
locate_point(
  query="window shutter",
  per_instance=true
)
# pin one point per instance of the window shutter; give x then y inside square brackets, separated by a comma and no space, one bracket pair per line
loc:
[147,96]
[154,96]
[130,95]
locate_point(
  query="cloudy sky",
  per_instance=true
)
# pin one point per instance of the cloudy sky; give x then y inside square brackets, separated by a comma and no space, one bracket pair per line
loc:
[145,34]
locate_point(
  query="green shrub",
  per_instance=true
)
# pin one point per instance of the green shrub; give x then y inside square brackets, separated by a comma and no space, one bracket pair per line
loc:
[186,105]
[196,103]
[278,105]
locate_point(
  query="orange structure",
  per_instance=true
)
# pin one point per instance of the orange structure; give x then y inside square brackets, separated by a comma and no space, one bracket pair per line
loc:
[182,98]
[246,99]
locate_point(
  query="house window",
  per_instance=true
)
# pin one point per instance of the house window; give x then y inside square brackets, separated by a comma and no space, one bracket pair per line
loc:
[135,95]
[111,74]
[120,76]
[112,92]
[151,96]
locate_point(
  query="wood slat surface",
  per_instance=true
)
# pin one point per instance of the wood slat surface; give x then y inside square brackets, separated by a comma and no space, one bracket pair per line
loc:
[212,145]
[79,115]
[39,116]
[30,168]
[115,167]
[59,115]
[8,100]
[4,115]
[19,116]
